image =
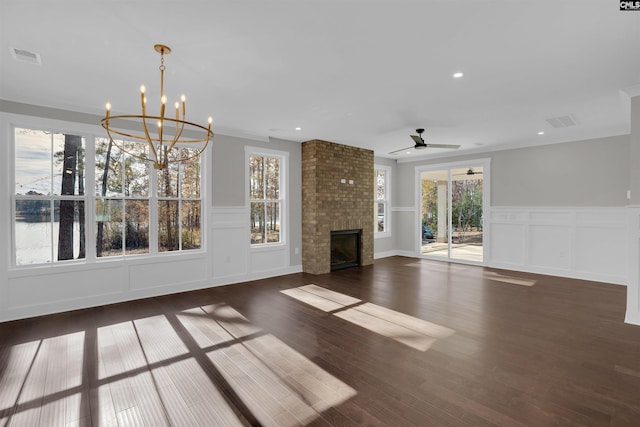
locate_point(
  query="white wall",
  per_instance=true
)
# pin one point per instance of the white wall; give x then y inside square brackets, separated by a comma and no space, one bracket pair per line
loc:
[555,209]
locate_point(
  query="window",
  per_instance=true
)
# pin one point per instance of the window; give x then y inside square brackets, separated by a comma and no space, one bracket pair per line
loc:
[122,200]
[137,209]
[266,197]
[49,208]
[381,202]
[124,206]
[179,204]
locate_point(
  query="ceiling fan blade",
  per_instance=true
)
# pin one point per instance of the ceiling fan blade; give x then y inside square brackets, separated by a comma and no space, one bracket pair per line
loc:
[442,146]
[402,149]
[417,139]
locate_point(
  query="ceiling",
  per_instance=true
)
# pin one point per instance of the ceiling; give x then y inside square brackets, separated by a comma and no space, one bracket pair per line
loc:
[362,73]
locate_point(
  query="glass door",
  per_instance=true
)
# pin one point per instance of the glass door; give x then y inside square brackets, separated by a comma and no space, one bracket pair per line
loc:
[451,224]
[435,213]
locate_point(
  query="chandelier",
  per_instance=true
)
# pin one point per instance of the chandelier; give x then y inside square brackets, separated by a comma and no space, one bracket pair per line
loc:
[170,132]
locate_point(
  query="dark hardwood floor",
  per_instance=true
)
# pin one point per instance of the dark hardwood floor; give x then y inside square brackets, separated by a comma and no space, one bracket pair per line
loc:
[403,342]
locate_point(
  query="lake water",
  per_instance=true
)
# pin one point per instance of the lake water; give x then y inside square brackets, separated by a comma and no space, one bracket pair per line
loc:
[37,242]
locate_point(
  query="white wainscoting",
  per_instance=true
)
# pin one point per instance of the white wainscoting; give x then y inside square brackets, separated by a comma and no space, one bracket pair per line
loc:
[233,258]
[56,288]
[633,287]
[228,240]
[583,243]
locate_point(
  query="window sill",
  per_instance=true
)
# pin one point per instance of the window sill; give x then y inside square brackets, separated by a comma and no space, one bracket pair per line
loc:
[269,247]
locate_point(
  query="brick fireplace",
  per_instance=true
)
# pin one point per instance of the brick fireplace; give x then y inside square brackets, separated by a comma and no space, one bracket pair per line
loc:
[337,195]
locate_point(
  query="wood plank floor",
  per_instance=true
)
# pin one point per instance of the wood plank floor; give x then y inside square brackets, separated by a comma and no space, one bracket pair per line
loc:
[403,342]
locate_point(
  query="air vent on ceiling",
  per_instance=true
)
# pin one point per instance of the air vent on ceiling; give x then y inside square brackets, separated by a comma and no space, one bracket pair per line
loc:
[562,121]
[26,56]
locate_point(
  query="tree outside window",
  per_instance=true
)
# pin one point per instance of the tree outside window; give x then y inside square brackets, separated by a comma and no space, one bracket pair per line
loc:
[125,203]
[122,200]
[49,208]
[265,198]
[132,211]
[381,202]
[179,203]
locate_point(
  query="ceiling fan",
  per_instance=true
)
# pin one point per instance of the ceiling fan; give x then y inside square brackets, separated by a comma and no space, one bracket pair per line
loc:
[420,144]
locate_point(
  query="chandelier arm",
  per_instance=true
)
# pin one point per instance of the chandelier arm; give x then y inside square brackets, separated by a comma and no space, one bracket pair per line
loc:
[144,125]
[160,134]
[179,128]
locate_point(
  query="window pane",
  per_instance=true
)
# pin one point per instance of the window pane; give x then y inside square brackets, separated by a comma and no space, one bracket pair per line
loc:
[108,177]
[272,178]
[168,225]
[109,227]
[33,231]
[68,164]
[168,178]
[191,225]
[273,222]
[190,175]
[136,171]
[68,227]
[381,218]
[257,223]
[256,177]
[33,161]
[136,233]
[380,184]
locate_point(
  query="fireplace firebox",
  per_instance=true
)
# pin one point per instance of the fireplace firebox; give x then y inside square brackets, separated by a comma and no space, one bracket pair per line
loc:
[345,248]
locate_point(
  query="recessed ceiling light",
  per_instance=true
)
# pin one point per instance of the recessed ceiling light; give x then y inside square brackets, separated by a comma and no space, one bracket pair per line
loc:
[298,128]
[541,133]
[458,75]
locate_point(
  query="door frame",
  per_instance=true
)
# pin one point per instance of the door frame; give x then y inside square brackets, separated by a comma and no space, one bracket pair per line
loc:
[485,163]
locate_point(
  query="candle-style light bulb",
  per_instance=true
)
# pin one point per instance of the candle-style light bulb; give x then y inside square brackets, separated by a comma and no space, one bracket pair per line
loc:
[163,99]
[159,124]
[108,106]
[183,98]
[142,88]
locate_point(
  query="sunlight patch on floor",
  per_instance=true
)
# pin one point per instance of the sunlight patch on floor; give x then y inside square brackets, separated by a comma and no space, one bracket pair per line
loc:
[321,298]
[50,367]
[408,330]
[278,385]
[499,277]
[206,365]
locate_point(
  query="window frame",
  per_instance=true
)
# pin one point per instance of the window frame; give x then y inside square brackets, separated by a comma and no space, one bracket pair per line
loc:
[386,201]
[53,197]
[283,156]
